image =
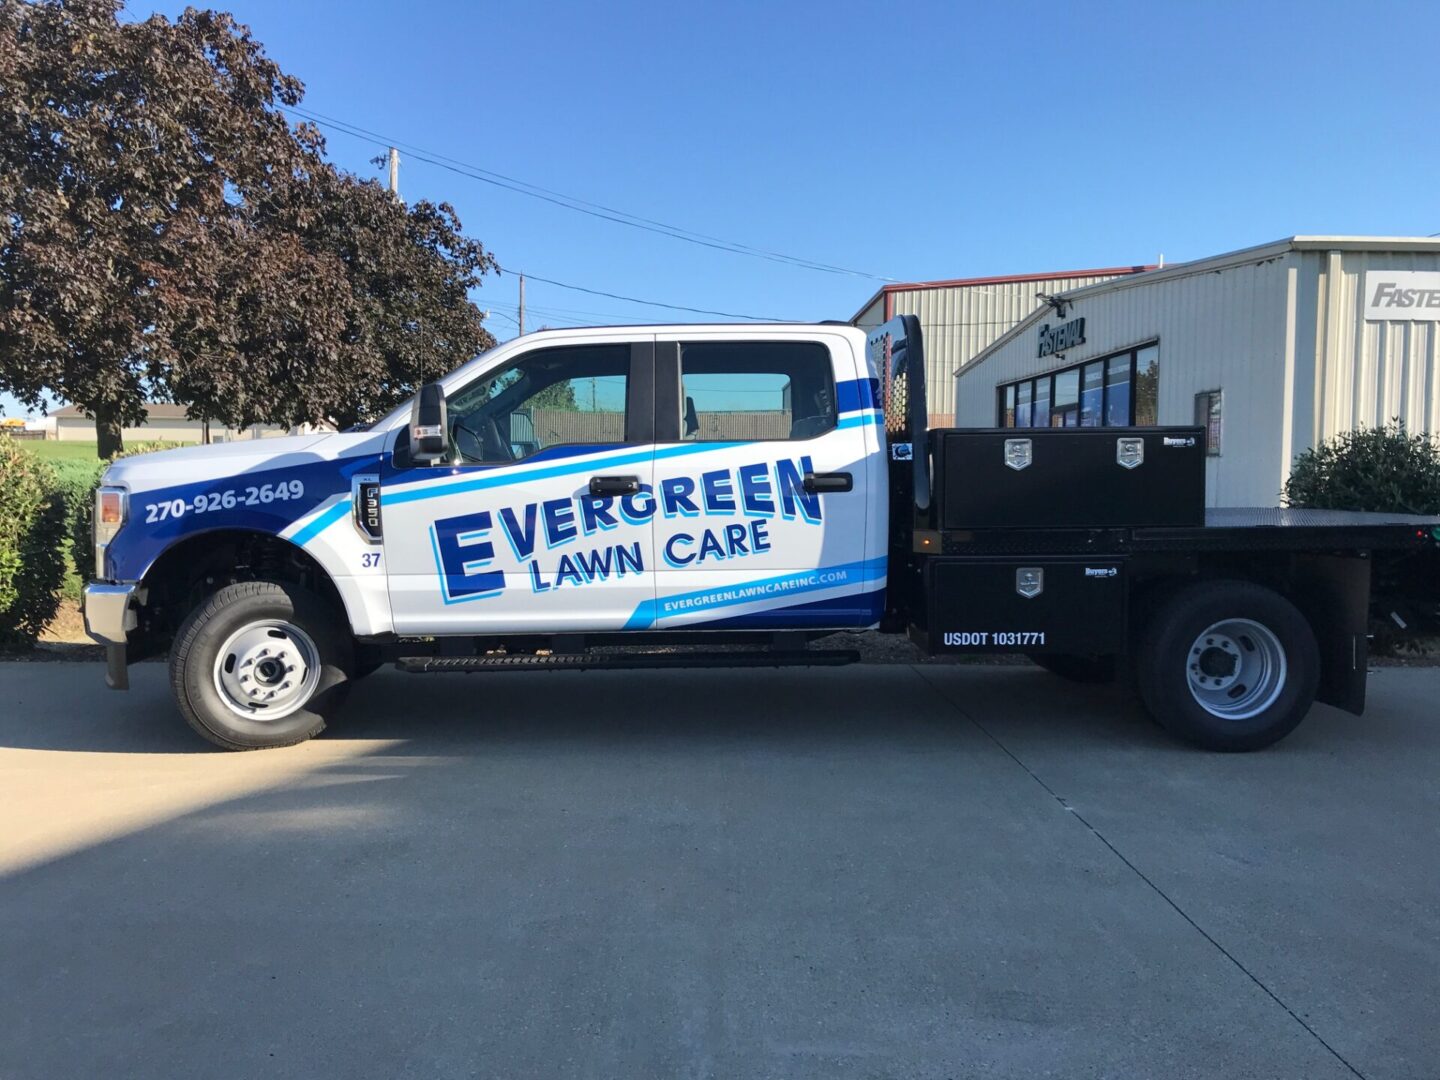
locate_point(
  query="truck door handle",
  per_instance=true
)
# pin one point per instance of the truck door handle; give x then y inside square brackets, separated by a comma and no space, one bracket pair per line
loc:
[829,481]
[614,485]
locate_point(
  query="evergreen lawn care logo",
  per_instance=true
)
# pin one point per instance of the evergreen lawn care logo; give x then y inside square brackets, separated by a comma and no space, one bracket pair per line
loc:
[1400,295]
[470,563]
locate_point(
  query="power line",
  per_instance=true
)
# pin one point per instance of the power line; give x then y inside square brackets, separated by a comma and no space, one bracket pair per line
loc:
[570,202]
[575,311]
[568,316]
[571,314]
[636,300]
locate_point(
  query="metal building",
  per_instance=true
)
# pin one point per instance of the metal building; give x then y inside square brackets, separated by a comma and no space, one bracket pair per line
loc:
[1272,349]
[960,318]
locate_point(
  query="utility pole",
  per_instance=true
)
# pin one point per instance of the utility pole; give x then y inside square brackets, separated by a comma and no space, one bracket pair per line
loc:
[521,320]
[394,172]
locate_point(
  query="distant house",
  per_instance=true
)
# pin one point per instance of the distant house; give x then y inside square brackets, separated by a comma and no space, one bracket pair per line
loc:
[163,423]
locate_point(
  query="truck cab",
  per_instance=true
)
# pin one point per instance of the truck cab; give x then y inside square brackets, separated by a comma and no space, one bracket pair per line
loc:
[621,481]
[652,482]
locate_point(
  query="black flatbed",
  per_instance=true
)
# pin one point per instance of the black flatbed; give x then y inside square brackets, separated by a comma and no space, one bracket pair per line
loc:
[1225,529]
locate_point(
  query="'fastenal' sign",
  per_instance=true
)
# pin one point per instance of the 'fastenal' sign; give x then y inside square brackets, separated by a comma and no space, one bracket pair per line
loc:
[1402,294]
[1056,339]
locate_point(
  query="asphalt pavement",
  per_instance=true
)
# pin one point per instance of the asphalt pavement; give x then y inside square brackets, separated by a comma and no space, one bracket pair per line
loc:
[877,871]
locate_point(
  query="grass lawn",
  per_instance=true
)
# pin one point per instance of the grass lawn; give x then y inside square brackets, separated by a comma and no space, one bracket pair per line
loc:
[55,450]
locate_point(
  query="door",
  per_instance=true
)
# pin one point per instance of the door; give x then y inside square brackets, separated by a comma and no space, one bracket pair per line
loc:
[540,518]
[763,470]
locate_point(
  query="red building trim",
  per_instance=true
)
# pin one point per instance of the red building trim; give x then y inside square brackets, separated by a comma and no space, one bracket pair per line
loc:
[889,291]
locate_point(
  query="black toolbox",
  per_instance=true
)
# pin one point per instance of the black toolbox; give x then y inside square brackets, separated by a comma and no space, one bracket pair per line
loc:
[1058,478]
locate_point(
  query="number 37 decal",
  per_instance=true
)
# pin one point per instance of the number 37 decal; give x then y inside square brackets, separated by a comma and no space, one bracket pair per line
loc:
[369,558]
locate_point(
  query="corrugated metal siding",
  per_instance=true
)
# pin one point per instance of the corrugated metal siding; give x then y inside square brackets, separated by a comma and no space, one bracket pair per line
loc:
[961,321]
[1373,371]
[557,426]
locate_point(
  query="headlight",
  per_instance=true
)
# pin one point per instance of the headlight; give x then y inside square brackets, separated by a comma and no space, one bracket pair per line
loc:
[110,508]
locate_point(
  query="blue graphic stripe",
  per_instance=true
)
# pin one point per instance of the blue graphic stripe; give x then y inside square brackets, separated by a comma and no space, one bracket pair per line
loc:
[750,592]
[395,477]
[136,547]
[322,522]
[860,420]
[850,610]
[856,394]
[506,477]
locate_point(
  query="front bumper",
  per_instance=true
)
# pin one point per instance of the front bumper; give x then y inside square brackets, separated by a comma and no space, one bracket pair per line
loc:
[108,614]
[108,619]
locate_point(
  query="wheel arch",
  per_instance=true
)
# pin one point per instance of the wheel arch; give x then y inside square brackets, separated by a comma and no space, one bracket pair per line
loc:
[194,566]
[1331,591]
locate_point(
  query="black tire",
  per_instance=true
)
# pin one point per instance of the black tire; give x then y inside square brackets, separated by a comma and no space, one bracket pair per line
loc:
[247,608]
[1261,631]
[1077,668]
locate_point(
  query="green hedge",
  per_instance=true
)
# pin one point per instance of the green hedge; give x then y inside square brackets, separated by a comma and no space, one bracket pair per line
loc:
[32,544]
[1389,470]
[76,482]
[46,514]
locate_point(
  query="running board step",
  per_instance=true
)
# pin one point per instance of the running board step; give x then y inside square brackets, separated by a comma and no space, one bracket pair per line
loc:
[433,665]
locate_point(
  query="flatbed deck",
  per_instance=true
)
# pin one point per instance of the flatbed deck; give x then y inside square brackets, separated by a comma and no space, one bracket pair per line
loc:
[1225,529]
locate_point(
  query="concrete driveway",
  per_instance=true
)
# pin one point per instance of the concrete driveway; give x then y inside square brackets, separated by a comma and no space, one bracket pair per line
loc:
[883,871]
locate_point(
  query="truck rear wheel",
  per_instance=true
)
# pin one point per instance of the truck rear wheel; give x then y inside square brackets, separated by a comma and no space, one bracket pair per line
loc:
[260,665]
[1228,665]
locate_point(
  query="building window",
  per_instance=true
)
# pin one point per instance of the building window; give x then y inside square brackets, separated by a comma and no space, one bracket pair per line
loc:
[1121,390]
[1147,386]
[1092,394]
[1208,414]
[1117,391]
[1065,399]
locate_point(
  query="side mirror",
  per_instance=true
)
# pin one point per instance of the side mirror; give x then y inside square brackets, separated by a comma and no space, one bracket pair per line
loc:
[429,430]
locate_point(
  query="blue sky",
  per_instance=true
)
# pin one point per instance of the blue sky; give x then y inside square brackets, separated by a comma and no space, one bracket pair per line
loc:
[927,140]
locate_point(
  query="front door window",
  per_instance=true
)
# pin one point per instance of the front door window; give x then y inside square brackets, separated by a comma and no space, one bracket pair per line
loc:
[558,397]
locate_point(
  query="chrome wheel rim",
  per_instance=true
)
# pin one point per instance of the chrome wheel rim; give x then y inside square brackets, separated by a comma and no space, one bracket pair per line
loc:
[1236,669]
[267,670]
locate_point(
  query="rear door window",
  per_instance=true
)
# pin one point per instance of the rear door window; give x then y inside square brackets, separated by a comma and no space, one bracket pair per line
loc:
[755,391]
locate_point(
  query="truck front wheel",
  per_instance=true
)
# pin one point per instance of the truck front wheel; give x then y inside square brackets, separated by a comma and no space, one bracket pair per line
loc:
[1228,665]
[260,664]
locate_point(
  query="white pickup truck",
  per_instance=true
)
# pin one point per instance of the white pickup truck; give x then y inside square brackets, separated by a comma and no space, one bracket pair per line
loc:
[757,485]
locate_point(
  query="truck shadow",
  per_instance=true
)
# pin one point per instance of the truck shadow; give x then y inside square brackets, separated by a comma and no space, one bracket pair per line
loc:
[65,707]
